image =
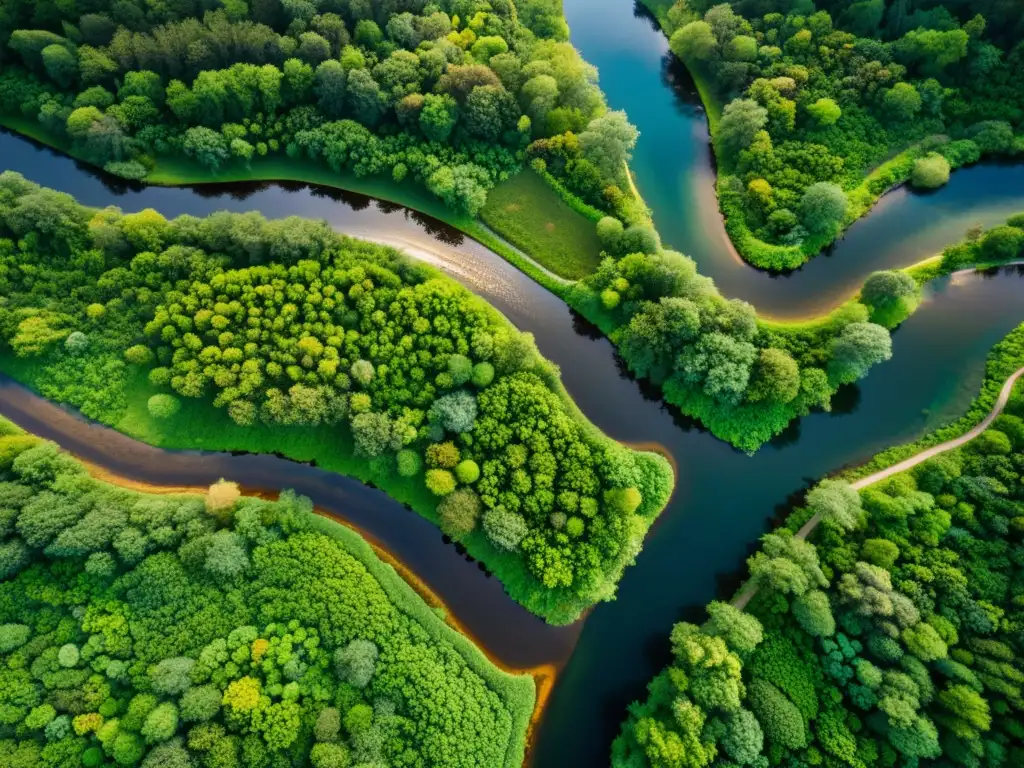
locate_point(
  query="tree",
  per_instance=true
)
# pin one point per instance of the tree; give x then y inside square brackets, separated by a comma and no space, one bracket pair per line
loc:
[171,676]
[930,171]
[438,116]
[60,64]
[781,720]
[924,642]
[694,42]
[459,512]
[357,662]
[741,121]
[1002,243]
[328,725]
[313,48]
[608,141]
[743,739]
[775,377]
[836,501]
[814,614]
[366,101]
[884,289]
[330,81]
[741,48]
[505,529]
[455,412]
[858,347]
[966,713]
[200,704]
[489,112]
[741,631]
[825,111]
[902,101]
[823,208]
[161,724]
[207,146]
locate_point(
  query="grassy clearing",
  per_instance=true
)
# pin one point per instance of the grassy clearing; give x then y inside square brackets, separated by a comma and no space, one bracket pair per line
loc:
[530,215]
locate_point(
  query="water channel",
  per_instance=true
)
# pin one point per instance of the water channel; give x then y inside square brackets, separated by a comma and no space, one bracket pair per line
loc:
[724,499]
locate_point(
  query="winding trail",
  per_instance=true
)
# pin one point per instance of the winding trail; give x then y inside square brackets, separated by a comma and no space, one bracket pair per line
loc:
[746,595]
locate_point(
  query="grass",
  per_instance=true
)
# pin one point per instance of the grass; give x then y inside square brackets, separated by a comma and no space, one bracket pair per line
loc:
[527,212]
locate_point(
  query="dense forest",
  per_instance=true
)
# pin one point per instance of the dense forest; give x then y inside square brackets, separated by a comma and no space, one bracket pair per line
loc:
[827,105]
[280,328]
[221,631]
[896,638]
[450,93]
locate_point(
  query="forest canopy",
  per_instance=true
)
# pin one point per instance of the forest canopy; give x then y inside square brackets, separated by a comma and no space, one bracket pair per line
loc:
[172,631]
[288,325]
[449,93]
[829,104]
[893,639]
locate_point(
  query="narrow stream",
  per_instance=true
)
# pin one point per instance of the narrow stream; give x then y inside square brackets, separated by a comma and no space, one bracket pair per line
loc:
[724,499]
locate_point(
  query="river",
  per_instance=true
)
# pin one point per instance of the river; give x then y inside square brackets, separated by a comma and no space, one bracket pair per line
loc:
[724,499]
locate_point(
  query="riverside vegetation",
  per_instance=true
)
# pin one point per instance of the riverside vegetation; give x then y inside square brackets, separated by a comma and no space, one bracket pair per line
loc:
[167,631]
[449,94]
[819,108]
[894,639]
[457,96]
[234,332]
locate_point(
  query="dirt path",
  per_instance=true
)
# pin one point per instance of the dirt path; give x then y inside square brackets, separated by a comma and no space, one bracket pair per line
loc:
[744,597]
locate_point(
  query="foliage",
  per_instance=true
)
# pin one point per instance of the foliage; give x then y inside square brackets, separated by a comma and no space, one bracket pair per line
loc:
[286,326]
[155,663]
[907,645]
[860,97]
[446,95]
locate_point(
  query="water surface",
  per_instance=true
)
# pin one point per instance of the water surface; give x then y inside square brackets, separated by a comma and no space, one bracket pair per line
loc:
[724,499]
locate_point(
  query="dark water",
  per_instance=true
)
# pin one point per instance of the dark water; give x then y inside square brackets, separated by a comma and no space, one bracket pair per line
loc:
[674,171]
[724,499]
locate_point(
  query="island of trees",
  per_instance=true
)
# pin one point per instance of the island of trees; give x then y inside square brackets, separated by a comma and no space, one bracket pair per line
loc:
[180,631]
[819,108]
[893,639]
[460,95]
[235,332]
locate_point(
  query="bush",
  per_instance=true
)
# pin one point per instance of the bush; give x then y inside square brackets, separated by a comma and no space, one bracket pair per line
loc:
[780,719]
[459,512]
[163,406]
[930,172]
[467,471]
[409,463]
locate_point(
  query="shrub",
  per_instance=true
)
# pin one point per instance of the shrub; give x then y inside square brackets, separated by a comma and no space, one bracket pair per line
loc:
[409,463]
[930,172]
[459,512]
[163,406]
[440,482]
[467,471]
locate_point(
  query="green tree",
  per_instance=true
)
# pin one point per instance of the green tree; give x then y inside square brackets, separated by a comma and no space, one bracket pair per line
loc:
[741,121]
[823,208]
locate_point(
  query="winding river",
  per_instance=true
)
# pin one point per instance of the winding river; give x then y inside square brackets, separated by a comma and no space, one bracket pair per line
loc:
[724,499]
